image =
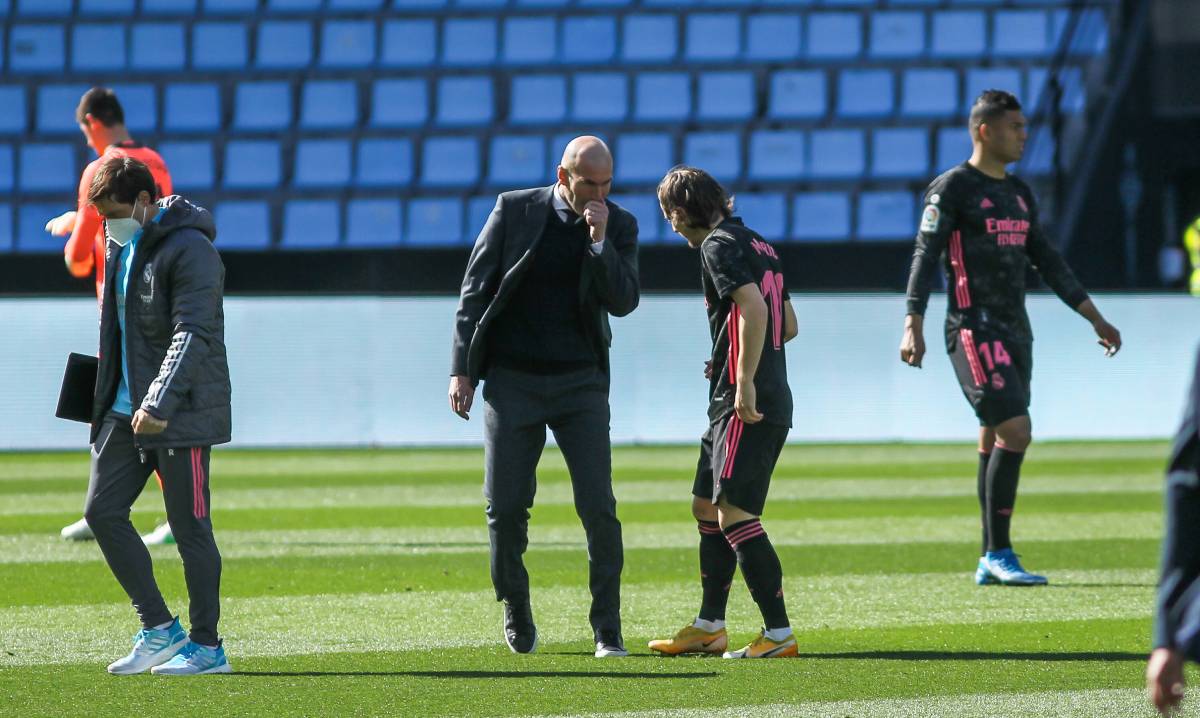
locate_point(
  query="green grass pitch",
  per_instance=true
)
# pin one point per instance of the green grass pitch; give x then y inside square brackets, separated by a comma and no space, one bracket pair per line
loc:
[356,583]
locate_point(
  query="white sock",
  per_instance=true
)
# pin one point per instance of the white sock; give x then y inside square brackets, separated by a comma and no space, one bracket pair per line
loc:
[709,626]
[164,626]
[778,634]
[211,648]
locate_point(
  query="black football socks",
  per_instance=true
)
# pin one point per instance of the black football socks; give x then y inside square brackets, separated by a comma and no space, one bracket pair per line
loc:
[1004,471]
[717,564]
[760,567]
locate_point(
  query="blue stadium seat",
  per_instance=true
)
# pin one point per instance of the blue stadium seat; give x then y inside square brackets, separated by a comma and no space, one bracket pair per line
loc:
[284,44]
[356,6]
[776,155]
[959,33]
[797,95]
[191,164]
[140,103]
[242,225]
[726,96]
[322,163]
[158,46]
[230,7]
[399,103]
[897,35]
[478,210]
[373,222]
[347,43]
[662,97]
[262,106]
[36,48]
[719,153]
[13,119]
[192,108]
[1020,33]
[418,5]
[886,216]
[481,4]
[7,181]
[48,167]
[6,227]
[713,37]
[220,46]
[652,228]
[450,162]
[865,93]
[295,7]
[101,8]
[32,237]
[464,101]
[409,43]
[384,163]
[589,40]
[252,164]
[1091,31]
[834,35]
[929,92]
[97,48]
[44,8]
[56,109]
[987,78]
[538,99]
[518,161]
[771,36]
[542,3]
[329,104]
[1070,84]
[434,222]
[837,154]
[530,40]
[765,213]
[900,152]
[1039,152]
[311,224]
[643,157]
[650,38]
[953,148]
[169,7]
[467,42]
[821,217]
[599,97]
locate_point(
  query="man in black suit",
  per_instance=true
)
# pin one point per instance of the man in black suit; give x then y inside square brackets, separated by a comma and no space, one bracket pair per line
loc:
[548,268]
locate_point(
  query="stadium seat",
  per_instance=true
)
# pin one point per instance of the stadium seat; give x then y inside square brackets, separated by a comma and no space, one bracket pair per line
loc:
[772,37]
[900,152]
[158,47]
[434,222]
[1039,153]
[886,216]
[97,48]
[478,210]
[599,97]
[530,40]
[797,95]
[6,228]
[409,43]
[1091,31]
[169,7]
[986,78]
[959,33]
[347,43]
[464,101]
[13,120]
[44,8]
[899,35]
[36,48]
[469,42]
[480,4]
[242,225]
[589,40]
[726,96]
[384,163]
[284,44]
[764,213]
[251,164]
[192,108]
[322,163]
[399,103]
[294,7]
[262,106]
[311,224]
[106,8]
[953,148]
[140,103]
[518,161]
[329,104]
[7,181]
[418,5]
[834,35]
[354,6]
[219,46]
[32,237]
[713,37]
[450,162]
[649,39]
[652,228]
[56,109]
[720,153]
[542,3]
[48,167]
[191,164]
[373,222]
[776,155]
[821,217]
[230,7]
[1020,33]
[538,99]
[929,92]
[837,154]
[643,157]
[865,93]
[662,97]
[1070,85]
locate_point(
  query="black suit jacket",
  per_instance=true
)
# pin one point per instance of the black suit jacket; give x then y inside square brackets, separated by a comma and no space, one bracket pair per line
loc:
[608,282]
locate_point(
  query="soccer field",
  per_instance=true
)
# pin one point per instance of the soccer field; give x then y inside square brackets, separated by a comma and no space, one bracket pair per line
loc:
[356,583]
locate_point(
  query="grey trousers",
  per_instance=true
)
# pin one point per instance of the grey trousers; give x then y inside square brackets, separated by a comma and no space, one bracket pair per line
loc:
[119,473]
[517,409]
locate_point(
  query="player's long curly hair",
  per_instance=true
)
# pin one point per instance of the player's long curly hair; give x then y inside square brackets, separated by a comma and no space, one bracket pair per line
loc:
[694,193]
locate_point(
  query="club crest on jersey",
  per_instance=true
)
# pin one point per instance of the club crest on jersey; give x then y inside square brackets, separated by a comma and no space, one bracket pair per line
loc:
[1021,201]
[147,289]
[930,218]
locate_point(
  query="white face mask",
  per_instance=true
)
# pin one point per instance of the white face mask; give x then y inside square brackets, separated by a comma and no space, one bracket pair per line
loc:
[123,230]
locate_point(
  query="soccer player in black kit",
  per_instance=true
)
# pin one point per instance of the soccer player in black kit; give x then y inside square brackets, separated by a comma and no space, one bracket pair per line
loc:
[750,411]
[984,221]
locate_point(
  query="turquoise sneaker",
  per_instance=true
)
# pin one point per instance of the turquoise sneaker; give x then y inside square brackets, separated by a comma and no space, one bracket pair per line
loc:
[151,648]
[1006,569]
[195,660]
[983,576]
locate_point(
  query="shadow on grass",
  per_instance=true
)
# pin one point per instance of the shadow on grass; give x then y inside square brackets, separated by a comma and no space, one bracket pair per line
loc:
[1083,656]
[473,674]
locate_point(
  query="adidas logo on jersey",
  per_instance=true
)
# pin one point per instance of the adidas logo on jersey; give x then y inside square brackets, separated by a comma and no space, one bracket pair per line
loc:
[986,204]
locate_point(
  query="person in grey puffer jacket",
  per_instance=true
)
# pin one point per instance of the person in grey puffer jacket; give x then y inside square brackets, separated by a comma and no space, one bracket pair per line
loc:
[162,401]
